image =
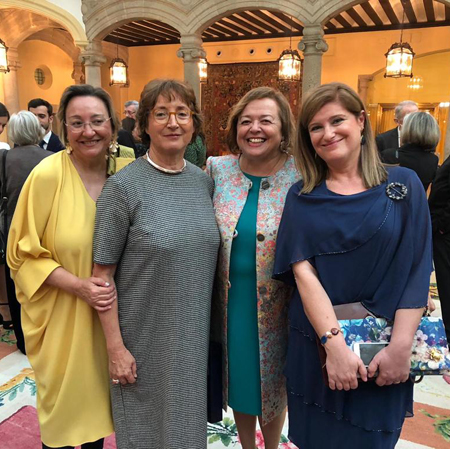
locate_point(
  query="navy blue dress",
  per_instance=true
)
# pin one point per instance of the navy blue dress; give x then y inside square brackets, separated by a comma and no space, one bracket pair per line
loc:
[365,247]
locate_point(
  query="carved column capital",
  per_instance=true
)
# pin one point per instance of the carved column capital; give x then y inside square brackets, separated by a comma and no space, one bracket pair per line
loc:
[13,59]
[191,48]
[313,42]
[93,55]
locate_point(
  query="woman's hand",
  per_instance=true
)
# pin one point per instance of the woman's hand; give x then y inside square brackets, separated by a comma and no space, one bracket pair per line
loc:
[343,365]
[393,365]
[431,305]
[98,293]
[122,366]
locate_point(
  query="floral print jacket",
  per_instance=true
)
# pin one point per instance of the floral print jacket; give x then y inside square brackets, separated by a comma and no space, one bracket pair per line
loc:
[230,195]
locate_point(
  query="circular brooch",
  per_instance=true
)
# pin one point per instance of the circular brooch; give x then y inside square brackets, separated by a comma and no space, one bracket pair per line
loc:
[396,191]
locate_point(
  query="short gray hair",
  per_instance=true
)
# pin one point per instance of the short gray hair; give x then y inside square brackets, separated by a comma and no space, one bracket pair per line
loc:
[399,108]
[132,103]
[422,129]
[24,129]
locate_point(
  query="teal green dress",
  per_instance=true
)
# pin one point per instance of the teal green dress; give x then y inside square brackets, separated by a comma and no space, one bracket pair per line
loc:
[244,377]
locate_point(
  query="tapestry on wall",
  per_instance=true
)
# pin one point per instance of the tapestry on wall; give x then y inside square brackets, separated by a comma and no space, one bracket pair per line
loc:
[227,83]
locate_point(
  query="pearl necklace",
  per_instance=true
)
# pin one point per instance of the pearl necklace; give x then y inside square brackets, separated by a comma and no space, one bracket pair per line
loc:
[166,170]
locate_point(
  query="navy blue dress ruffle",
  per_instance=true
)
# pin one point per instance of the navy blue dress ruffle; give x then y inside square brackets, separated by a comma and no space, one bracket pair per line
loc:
[365,247]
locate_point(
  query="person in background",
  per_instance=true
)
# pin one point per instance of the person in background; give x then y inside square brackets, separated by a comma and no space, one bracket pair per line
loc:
[43,110]
[156,239]
[352,231]
[4,118]
[420,135]
[250,308]
[391,138]
[130,109]
[196,151]
[50,257]
[26,133]
[439,202]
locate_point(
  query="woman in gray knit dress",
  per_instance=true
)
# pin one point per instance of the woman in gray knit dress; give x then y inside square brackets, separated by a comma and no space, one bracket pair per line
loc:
[156,237]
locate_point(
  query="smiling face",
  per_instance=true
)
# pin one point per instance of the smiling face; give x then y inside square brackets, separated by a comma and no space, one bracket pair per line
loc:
[3,122]
[259,129]
[169,138]
[88,143]
[335,134]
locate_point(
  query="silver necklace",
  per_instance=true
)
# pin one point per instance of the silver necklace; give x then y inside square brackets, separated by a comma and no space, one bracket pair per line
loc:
[166,170]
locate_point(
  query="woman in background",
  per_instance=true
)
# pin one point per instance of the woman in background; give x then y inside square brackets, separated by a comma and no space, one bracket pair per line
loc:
[26,132]
[419,138]
[4,118]
[251,308]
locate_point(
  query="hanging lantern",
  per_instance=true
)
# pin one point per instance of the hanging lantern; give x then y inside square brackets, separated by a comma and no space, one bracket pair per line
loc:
[399,60]
[118,73]
[3,59]
[289,66]
[203,70]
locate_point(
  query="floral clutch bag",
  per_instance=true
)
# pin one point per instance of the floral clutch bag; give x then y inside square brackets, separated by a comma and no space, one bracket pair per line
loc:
[430,353]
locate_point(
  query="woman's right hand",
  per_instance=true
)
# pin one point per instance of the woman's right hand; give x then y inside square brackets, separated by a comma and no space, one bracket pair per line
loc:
[98,293]
[122,366]
[343,365]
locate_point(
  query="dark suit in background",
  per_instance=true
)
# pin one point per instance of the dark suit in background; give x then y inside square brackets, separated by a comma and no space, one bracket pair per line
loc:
[424,163]
[439,203]
[387,140]
[54,144]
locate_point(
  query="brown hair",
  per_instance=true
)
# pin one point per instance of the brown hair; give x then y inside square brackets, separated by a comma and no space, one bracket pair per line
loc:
[314,170]
[169,89]
[284,111]
[86,90]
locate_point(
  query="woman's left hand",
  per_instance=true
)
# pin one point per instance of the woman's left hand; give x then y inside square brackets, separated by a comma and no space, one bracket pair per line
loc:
[393,365]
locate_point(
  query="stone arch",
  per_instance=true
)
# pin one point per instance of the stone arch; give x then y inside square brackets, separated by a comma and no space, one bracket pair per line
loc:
[55,13]
[60,39]
[103,17]
[206,12]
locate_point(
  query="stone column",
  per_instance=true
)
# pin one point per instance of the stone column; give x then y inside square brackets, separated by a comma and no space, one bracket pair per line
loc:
[93,58]
[363,86]
[313,46]
[10,84]
[192,51]
[77,74]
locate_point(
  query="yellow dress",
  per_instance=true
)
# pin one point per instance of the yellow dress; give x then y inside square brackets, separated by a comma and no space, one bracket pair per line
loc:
[53,226]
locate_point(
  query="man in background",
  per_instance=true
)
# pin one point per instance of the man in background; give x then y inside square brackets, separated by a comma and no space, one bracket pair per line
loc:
[391,138]
[43,110]
[131,108]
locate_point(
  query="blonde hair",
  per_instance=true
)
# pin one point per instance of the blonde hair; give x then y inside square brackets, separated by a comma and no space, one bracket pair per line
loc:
[314,170]
[420,128]
[284,112]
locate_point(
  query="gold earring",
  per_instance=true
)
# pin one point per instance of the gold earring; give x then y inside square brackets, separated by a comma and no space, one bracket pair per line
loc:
[69,149]
[113,147]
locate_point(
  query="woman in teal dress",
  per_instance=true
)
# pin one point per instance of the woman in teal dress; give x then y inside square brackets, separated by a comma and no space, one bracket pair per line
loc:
[249,308]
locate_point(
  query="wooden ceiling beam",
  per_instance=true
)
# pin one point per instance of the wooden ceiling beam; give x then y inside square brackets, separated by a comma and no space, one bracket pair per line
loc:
[288,20]
[235,27]
[153,26]
[374,17]
[387,8]
[342,21]
[429,10]
[356,17]
[409,11]
[257,22]
[243,23]
[271,21]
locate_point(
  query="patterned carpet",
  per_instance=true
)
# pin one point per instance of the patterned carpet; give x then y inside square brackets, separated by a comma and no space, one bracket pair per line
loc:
[429,429]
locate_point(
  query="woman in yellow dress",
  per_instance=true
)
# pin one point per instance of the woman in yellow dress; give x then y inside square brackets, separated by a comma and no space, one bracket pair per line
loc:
[50,257]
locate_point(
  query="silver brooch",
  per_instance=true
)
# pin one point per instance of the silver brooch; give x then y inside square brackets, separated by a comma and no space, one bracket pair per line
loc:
[396,191]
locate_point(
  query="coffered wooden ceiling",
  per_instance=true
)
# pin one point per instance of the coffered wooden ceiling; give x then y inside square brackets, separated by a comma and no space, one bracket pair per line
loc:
[372,15]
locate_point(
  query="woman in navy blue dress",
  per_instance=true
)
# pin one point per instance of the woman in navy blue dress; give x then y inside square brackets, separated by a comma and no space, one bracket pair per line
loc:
[352,231]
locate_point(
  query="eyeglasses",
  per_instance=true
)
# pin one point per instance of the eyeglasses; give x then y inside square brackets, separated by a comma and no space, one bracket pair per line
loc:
[78,125]
[182,116]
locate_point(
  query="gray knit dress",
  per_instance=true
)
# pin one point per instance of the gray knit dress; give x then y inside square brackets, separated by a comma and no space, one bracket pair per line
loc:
[161,232]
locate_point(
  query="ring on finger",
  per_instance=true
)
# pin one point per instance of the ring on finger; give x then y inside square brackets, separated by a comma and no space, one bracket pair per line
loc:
[115,381]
